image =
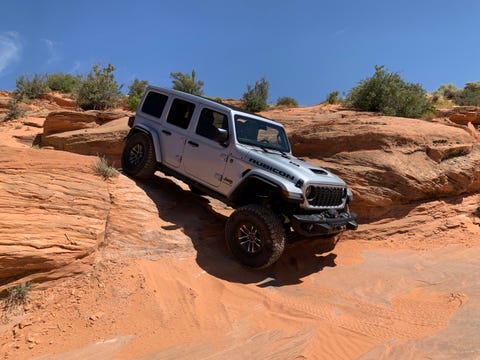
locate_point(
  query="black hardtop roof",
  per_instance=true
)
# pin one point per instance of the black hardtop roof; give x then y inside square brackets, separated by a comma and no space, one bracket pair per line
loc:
[204,100]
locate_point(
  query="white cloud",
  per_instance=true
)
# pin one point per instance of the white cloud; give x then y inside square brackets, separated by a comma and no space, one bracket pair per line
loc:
[52,51]
[340,32]
[10,48]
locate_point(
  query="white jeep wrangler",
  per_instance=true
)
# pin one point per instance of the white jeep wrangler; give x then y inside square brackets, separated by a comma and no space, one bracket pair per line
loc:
[243,160]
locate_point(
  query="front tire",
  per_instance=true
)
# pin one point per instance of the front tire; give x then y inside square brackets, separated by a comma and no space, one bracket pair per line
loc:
[138,157]
[255,236]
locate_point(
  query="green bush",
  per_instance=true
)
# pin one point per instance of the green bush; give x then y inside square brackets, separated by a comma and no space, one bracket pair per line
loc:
[333,98]
[30,88]
[187,83]
[255,99]
[287,101]
[470,95]
[64,83]
[133,101]
[14,111]
[387,93]
[99,90]
[136,90]
[446,91]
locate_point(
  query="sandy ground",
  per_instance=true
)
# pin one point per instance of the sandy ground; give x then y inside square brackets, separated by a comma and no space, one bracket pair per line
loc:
[403,288]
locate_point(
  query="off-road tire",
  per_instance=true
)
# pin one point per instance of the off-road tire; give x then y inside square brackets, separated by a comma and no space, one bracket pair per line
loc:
[138,157]
[255,236]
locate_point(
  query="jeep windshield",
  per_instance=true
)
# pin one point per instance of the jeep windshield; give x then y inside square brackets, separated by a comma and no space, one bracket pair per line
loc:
[251,131]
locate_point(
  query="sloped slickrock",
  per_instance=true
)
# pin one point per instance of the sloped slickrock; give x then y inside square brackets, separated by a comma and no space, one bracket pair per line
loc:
[53,213]
[388,161]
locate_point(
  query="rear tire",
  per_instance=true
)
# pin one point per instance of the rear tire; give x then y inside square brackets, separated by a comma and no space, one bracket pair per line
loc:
[138,157]
[255,236]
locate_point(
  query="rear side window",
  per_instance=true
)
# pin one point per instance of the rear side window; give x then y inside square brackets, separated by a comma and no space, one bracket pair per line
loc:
[180,113]
[154,104]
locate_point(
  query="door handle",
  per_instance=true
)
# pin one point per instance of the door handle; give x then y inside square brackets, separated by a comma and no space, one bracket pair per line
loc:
[192,143]
[166,132]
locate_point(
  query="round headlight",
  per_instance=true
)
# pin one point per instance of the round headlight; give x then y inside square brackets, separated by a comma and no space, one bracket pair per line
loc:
[310,193]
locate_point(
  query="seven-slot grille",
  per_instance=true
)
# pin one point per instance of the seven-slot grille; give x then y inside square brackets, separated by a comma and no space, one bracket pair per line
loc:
[326,196]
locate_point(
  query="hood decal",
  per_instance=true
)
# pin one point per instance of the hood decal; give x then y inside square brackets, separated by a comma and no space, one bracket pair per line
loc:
[272,169]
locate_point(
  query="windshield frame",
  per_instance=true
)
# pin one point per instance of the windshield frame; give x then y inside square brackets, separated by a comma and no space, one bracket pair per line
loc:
[282,144]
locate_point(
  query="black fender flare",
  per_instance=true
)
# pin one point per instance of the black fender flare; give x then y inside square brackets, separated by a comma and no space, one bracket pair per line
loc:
[261,185]
[153,135]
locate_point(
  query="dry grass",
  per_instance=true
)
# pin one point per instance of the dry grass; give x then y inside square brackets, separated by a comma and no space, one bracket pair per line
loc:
[103,169]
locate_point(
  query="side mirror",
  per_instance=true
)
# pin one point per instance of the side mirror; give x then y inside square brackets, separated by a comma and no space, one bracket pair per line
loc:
[221,136]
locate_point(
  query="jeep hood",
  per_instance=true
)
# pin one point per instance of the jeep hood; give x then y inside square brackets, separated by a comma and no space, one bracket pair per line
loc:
[291,168]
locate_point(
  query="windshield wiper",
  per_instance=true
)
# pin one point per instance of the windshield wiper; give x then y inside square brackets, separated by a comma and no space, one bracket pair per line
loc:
[285,155]
[266,149]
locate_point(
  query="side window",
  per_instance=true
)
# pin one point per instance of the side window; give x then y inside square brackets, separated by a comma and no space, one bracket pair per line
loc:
[209,123]
[180,113]
[154,104]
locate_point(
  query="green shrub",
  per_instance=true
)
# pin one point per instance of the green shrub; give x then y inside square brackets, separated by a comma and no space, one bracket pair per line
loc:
[136,90]
[103,169]
[446,91]
[187,83]
[14,111]
[387,93]
[255,99]
[133,101]
[333,98]
[64,83]
[287,101]
[99,90]
[470,95]
[30,88]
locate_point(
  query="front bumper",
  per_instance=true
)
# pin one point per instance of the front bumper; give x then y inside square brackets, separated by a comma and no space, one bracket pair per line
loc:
[321,224]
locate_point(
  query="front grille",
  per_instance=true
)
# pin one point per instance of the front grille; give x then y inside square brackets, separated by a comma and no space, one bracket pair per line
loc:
[327,196]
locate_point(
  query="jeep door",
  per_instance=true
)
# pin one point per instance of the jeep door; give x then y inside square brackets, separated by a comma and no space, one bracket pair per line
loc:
[173,134]
[205,156]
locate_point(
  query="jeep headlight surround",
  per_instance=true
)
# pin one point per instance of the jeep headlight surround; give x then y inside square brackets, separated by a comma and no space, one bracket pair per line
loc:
[310,192]
[349,196]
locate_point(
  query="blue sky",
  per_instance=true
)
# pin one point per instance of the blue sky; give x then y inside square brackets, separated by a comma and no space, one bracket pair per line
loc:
[304,48]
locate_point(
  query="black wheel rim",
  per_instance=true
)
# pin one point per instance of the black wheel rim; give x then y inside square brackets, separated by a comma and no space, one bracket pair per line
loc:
[136,154]
[248,237]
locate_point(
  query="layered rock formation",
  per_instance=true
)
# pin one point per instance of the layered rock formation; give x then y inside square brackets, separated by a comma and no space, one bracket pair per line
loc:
[89,133]
[461,115]
[54,211]
[4,99]
[163,261]
[388,161]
